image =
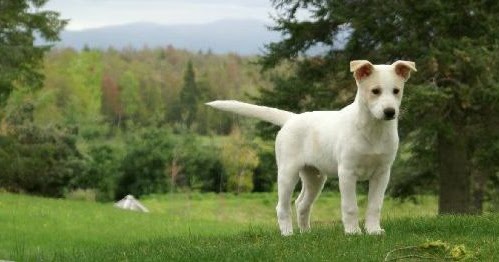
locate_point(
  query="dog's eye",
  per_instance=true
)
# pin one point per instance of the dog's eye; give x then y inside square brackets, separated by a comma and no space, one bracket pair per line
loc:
[376,91]
[396,90]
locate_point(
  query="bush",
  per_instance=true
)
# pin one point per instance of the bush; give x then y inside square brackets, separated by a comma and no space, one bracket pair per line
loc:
[38,160]
[157,161]
[265,174]
[239,159]
[199,163]
[144,167]
[103,171]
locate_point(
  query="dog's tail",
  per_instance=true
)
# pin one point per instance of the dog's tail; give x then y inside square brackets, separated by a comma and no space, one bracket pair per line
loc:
[268,114]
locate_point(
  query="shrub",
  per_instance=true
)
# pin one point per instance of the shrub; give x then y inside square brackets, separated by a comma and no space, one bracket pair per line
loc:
[265,174]
[38,160]
[145,163]
[239,159]
[103,171]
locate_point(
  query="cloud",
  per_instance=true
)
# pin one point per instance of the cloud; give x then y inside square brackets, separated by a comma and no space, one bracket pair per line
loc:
[97,13]
[250,3]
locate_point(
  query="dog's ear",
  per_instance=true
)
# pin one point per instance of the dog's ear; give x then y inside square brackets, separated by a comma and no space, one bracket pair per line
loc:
[404,68]
[361,69]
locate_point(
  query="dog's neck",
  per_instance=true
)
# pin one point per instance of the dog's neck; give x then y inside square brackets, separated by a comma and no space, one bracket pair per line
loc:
[369,126]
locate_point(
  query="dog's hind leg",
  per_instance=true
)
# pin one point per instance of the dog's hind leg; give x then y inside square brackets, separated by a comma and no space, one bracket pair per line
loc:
[312,184]
[287,178]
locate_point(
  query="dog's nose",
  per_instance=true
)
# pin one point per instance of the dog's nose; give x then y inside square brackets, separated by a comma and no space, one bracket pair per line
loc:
[389,112]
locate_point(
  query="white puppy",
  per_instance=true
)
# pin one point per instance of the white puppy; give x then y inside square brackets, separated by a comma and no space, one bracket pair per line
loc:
[359,142]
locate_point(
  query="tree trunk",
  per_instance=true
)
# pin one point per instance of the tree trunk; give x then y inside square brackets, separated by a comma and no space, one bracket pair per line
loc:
[455,176]
[479,178]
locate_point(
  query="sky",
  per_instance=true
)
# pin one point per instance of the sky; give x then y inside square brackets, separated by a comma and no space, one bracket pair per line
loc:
[84,14]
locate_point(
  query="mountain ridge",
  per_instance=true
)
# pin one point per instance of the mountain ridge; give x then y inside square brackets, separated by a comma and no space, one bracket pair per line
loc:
[245,37]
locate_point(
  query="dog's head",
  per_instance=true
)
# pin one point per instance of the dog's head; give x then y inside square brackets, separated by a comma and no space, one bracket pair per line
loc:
[381,87]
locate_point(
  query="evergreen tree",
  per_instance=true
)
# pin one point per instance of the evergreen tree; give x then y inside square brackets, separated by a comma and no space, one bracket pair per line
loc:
[451,109]
[20,22]
[189,96]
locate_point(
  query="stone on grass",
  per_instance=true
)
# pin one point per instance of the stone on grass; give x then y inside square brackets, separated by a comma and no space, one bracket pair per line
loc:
[130,203]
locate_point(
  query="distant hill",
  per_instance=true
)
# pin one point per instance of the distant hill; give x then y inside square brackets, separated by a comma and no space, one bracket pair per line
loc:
[245,37]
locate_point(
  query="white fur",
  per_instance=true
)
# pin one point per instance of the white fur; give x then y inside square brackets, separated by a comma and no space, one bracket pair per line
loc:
[359,142]
[272,115]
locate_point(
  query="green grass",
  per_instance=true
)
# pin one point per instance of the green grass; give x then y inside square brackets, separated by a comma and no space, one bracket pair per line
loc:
[209,227]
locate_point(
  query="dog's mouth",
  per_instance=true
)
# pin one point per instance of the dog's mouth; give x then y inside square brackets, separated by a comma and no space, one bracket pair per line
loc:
[389,118]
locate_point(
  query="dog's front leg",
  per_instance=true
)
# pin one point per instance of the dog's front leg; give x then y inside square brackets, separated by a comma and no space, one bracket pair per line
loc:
[377,187]
[349,209]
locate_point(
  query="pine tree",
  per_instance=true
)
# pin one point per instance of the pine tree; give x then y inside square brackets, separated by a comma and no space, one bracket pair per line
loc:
[189,96]
[20,58]
[451,120]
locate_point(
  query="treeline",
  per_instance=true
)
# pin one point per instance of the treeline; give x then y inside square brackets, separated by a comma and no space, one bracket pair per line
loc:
[145,86]
[133,121]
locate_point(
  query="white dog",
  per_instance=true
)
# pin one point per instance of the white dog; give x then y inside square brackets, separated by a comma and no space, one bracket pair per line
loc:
[359,142]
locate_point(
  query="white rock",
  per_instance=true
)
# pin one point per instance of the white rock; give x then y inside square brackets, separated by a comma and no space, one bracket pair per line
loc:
[130,203]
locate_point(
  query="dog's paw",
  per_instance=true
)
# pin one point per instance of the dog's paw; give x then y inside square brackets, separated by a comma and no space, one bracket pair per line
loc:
[353,230]
[376,231]
[286,229]
[304,230]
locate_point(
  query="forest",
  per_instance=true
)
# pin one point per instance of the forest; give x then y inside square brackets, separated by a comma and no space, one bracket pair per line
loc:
[114,122]
[134,121]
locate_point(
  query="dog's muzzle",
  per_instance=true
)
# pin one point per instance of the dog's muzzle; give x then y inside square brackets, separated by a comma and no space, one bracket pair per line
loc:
[389,113]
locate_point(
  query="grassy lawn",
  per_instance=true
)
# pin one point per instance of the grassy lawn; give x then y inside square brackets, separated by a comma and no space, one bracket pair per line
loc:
[209,227]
